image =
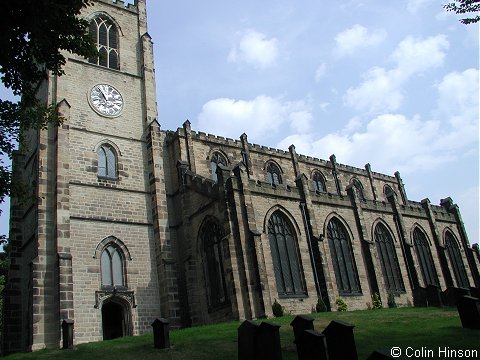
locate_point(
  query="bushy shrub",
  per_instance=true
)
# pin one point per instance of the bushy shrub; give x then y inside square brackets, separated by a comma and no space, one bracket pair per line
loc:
[277,309]
[391,301]
[321,307]
[341,305]
[376,301]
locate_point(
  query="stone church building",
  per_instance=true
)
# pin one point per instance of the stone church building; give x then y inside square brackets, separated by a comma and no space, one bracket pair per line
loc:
[129,222]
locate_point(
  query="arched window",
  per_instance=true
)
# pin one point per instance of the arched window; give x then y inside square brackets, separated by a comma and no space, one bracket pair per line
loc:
[216,159]
[211,236]
[358,189]
[113,267]
[107,161]
[318,182]
[388,259]
[285,256]
[388,191]
[342,258]
[455,257]
[105,35]
[274,176]
[424,256]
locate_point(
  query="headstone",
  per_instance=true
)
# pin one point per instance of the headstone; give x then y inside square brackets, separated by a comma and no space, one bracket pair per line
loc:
[451,295]
[313,346]
[385,355]
[434,297]
[268,341]
[300,324]
[469,311]
[161,334]
[419,297]
[247,339]
[340,341]
[67,333]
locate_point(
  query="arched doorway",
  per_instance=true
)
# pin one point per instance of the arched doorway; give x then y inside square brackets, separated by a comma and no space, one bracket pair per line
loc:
[115,319]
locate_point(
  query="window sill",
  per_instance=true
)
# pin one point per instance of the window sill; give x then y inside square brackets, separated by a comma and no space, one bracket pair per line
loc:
[293,296]
[107,178]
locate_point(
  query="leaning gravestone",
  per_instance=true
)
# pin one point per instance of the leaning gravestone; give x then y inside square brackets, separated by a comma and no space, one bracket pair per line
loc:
[434,296]
[300,324]
[452,294]
[340,341]
[469,311]
[247,339]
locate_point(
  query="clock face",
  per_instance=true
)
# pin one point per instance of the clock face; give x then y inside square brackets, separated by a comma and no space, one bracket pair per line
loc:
[106,100]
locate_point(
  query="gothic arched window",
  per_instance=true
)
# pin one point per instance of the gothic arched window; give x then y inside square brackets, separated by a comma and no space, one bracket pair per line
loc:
[342,258]
[425,259]
[113,267]
[285,256]
[455,257]
[318,182]
[216,159]
[274,176]
[105,35]
[107,161]
[358,189]
[211,236]
[388,191]
[388,259]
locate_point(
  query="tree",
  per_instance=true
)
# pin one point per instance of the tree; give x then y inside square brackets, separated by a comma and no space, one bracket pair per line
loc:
[33,34]
[464,7]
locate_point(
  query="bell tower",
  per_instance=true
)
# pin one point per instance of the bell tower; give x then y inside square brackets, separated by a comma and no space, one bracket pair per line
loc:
[91,245]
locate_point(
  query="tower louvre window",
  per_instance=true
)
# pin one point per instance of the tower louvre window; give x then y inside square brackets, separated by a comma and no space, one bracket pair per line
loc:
[285,256]
[455,257]
[107,161]
[342,258]
[425,259]
[105,35]
[388,259]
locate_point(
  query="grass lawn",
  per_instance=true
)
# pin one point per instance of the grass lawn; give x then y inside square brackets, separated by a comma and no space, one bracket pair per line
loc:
[429,328]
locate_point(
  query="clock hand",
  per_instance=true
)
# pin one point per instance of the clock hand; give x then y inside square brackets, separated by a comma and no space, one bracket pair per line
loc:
[103,93]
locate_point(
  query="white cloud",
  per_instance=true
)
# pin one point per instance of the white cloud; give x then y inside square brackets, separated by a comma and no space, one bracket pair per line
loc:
[395,142]
[259,118]
[320,72]
[254,48]
[382,90]
[414,5]
[357,37]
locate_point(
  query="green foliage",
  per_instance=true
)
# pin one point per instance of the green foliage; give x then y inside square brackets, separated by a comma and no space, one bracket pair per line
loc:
[32,35]
[277,309]
[320,307]
[341,305]
[391,301]
[464,7]
[376,301]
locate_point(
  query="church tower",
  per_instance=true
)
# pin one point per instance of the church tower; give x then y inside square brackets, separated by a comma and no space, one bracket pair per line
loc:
[92,244]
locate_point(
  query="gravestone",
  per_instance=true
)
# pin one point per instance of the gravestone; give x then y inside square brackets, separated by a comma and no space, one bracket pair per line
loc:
[161,334]
[419,297]
[469,311]
[300,324]
[340,341]
[313,345]
[451,295]
[247,340]
[434,297]
[67,333]
[268,341]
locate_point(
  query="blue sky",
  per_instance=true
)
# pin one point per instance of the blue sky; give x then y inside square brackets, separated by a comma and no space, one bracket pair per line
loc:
[391,83]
